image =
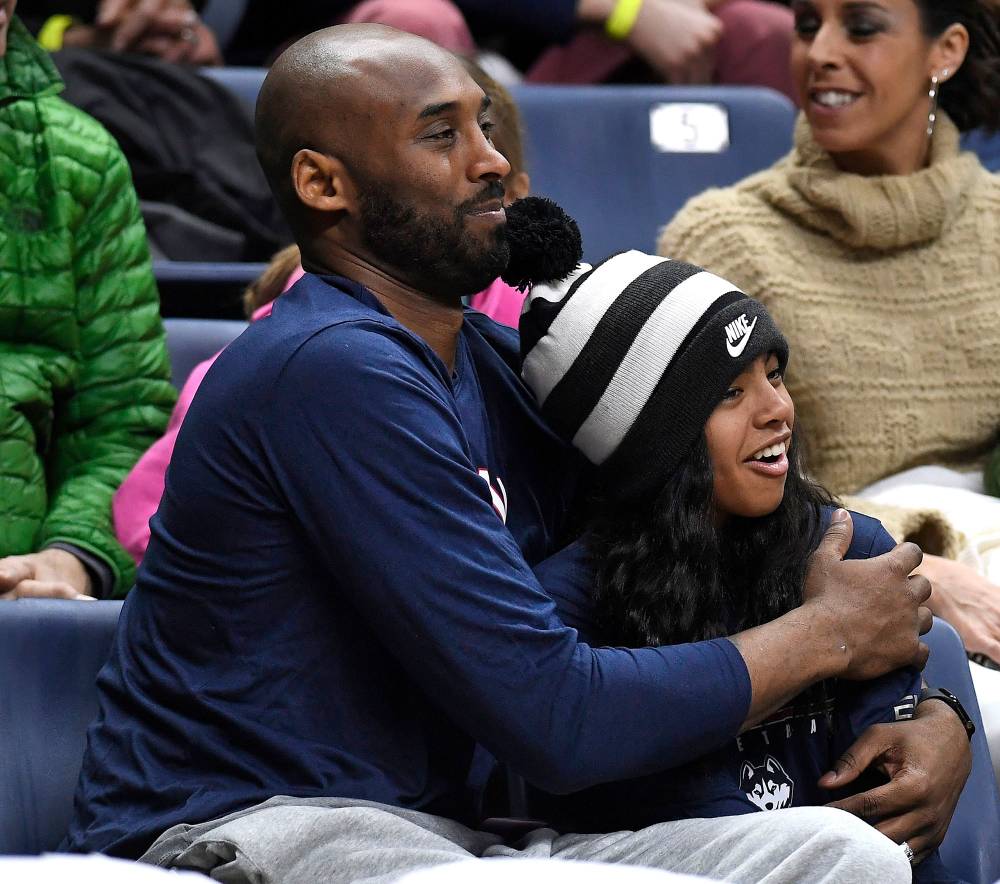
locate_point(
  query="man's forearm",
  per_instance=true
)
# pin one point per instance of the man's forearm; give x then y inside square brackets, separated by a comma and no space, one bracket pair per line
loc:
[786,656]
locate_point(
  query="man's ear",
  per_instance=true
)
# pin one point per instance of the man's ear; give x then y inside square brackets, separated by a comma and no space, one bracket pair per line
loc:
[321,181]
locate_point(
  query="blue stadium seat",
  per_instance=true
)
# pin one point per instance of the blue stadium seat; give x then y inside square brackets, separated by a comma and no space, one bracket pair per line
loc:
[243,82]
[623,159]
[50,653]
[987,146]
[223,17]
[190,341]
[972,849]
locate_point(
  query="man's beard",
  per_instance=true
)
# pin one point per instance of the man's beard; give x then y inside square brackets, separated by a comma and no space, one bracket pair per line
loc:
[437,256]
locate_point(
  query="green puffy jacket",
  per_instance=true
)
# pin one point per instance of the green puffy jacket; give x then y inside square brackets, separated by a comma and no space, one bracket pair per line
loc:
[84,373]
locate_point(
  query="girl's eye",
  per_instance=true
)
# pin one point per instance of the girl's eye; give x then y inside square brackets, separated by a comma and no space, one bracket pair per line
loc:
[731,394]
[775,375]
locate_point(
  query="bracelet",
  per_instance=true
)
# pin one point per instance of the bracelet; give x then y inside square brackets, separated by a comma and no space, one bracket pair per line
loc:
[50,36]
[622,19]
[949,699]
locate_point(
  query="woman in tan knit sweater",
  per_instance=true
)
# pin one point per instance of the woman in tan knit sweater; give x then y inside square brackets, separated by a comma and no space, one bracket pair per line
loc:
[875,244]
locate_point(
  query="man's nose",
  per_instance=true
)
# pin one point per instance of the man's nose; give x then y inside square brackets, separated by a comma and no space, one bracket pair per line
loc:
[487,163]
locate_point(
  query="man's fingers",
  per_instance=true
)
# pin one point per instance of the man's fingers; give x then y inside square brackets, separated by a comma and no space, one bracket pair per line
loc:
[837,539]
[856,759]
[925,619]
[915,828]
[919,586]
[905,558]
[895,798]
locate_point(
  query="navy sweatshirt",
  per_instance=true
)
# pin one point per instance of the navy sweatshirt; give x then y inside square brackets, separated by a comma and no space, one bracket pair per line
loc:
[337,597]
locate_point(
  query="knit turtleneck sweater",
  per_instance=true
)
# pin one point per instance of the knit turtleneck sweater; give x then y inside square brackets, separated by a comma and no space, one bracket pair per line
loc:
[888,291]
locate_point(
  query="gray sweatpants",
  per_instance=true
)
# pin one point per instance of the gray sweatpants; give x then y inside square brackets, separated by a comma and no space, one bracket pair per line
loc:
[340,841]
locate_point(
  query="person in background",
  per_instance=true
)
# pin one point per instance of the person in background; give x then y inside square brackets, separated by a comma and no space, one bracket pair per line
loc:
[501,301]
[139,495]
[174,31]
[874,245]
[84,373]
[673,41]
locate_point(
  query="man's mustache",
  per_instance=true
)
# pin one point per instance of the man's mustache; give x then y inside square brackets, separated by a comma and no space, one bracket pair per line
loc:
[492,191]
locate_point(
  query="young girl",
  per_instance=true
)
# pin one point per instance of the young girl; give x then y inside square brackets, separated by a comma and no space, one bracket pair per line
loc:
[671,382]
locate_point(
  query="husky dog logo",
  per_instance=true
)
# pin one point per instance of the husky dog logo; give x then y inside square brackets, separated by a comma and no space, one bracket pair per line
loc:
[768,786]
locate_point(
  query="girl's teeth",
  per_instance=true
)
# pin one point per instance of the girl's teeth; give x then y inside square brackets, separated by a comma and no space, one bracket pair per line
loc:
[770,451]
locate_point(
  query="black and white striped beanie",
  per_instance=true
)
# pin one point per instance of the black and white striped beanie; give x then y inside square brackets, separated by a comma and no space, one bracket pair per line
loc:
[628,359]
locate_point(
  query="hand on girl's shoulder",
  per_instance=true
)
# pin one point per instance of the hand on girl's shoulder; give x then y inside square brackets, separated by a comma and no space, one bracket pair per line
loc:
[870,537]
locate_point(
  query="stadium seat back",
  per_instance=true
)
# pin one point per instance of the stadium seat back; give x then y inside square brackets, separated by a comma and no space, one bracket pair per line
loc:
[622,160]
[986,146]
[50,654]
[190,341]
[245,83]
[972,848]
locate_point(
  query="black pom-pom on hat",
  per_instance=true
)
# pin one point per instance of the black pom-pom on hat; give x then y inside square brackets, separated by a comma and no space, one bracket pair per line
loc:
[545,243]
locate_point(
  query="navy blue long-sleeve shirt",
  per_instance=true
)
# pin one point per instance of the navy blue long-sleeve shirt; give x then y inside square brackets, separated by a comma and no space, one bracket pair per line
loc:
[337,597]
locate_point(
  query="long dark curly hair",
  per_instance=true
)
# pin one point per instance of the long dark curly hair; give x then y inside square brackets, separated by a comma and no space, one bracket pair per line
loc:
[666,574]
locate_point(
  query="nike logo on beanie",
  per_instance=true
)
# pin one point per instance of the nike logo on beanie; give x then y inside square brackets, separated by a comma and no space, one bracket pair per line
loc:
[738,335]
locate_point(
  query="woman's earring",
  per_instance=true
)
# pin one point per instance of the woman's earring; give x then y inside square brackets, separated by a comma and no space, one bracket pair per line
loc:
[933,96]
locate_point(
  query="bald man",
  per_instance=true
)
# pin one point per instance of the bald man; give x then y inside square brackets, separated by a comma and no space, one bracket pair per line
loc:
[337,600]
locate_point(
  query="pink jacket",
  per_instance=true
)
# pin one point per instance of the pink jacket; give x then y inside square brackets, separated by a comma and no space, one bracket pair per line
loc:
[139,495]
[500,302]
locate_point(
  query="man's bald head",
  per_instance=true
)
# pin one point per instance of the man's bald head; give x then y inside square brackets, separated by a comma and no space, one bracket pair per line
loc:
[329,90]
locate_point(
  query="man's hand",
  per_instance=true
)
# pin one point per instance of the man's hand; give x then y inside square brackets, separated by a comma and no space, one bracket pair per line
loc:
[858,620]
[927,761]
[51,573]
[871,610]
[967,601]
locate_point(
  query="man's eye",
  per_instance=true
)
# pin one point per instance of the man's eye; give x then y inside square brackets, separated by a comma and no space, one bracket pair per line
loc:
[442,135]
[488,129]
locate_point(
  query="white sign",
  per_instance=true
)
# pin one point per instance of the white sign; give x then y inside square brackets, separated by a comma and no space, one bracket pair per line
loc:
[689,127]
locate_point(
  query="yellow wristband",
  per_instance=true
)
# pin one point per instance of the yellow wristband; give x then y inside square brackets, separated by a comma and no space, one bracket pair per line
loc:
[622,19]
[50,37]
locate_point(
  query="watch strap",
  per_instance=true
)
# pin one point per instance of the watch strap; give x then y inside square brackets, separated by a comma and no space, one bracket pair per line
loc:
[947,697]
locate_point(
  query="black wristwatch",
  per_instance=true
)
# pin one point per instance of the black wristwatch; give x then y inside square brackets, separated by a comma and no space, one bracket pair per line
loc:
[946,696]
